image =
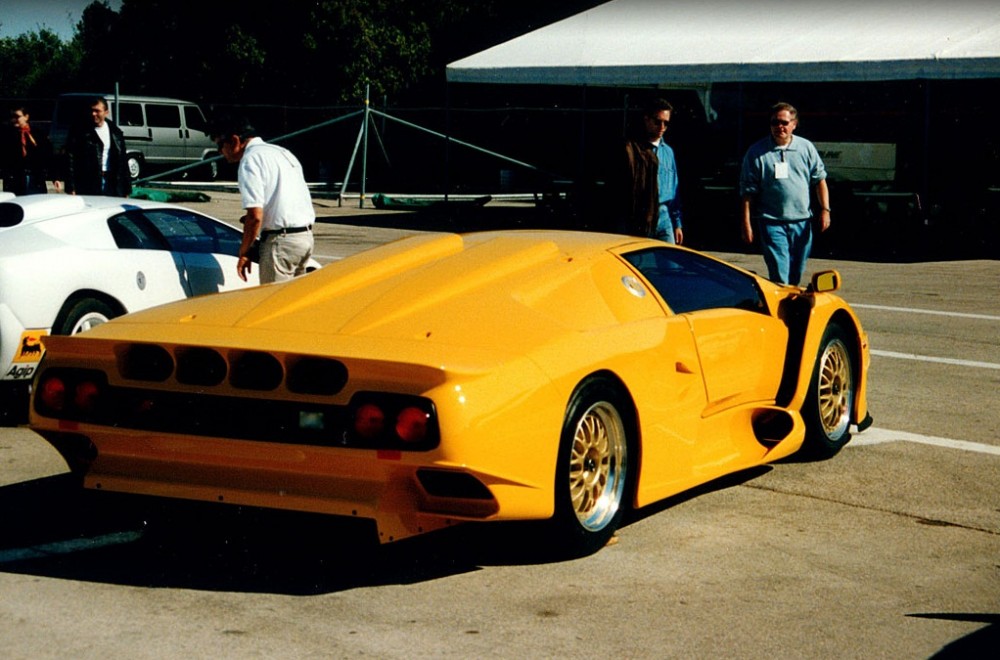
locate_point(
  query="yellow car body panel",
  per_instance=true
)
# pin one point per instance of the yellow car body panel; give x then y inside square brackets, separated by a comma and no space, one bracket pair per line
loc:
[497,330]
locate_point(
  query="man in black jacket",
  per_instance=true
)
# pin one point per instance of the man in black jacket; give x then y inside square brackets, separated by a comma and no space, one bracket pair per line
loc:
[95,156]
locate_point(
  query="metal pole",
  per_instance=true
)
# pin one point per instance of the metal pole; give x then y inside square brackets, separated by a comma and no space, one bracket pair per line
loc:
[364,152]
[350,167]
[462,143]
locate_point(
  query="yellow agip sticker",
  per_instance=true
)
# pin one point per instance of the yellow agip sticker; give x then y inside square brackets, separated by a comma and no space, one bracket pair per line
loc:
[30,346]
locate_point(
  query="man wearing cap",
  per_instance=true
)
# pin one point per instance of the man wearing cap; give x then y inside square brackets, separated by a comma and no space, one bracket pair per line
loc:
[276,199]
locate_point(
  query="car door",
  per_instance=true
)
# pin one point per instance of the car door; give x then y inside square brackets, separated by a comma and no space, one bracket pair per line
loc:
[741,347]
[160,273]
[206,248]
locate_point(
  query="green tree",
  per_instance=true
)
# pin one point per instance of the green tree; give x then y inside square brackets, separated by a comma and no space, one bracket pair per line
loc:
[35,64]
[100,57]
[292,52]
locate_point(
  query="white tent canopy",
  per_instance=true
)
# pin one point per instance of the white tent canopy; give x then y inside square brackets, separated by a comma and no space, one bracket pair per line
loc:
[696,43]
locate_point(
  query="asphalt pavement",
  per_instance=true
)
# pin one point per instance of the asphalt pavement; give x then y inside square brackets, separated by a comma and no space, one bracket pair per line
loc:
[888,550]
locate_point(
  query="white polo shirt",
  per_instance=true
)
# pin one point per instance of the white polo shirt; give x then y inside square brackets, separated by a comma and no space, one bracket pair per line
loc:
[270,177]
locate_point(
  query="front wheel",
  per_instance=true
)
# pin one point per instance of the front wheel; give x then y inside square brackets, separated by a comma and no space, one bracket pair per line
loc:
[831,396]
[593,469]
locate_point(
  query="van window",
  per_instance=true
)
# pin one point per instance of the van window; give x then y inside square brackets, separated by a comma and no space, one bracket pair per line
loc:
[194,120]
[131,114]
[163,116]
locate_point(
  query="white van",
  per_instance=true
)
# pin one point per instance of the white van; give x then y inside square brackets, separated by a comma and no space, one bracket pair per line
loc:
[159,131]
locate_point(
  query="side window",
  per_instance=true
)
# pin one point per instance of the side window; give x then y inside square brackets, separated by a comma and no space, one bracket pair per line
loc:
[184,231]
[163,116]
[132,231]
[689,282]
[194,119]
[131,114]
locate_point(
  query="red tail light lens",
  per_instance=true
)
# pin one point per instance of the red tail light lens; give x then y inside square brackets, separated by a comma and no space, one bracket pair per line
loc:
[369,421]
[52,393]
[71,393]
[86,396]
[411,424]
[381,420]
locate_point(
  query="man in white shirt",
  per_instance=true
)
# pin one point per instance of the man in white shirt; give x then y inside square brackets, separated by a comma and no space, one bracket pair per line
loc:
[276,199]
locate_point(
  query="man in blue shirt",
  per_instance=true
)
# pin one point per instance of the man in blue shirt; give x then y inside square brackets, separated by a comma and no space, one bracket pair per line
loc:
[776,181]
[652,203]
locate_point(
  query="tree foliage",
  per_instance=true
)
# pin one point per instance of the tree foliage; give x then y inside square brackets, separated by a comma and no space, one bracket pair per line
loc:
[35,64]
[293,52]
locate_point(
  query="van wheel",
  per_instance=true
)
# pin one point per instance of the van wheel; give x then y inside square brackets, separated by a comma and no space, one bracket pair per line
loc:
[134,164]
[210,170]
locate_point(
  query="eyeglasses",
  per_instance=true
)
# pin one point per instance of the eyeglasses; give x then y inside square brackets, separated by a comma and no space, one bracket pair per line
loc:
[780,122]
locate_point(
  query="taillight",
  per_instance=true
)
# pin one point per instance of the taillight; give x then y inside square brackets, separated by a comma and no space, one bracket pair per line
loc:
[86,397]
[369,421]
[70,393]
[411,424]
[392,421]
[52,393]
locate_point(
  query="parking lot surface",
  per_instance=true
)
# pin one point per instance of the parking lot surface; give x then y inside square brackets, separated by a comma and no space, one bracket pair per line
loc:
[890,549]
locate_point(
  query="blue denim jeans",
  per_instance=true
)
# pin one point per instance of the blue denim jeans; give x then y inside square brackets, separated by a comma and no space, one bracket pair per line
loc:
[786,247]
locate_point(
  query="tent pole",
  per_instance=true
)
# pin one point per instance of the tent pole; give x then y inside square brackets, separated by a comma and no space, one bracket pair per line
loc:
[350,165]
[447,141]
[364,150]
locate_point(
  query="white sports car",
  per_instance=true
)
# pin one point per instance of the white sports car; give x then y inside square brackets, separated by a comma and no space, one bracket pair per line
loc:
[68,263]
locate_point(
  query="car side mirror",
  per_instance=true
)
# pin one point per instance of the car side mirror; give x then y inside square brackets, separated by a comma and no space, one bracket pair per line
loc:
[825,281]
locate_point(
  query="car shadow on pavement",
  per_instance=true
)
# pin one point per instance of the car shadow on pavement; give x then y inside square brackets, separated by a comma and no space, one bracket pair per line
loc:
[53,528]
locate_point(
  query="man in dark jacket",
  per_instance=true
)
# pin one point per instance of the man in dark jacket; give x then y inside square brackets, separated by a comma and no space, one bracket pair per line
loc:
[644,189]
[95,156]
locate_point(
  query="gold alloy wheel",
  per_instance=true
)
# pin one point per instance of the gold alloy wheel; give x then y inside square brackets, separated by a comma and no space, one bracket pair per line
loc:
[598,461]
[835,389]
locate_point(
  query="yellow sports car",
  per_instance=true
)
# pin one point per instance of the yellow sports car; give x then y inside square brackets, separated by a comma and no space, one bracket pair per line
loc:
[558,376]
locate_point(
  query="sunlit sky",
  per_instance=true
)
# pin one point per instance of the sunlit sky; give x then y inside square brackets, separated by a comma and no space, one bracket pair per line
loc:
[59,16]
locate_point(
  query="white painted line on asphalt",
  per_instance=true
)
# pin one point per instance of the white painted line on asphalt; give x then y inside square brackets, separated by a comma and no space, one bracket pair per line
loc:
[913,310]
[67,547]
[928,358]
[877,436]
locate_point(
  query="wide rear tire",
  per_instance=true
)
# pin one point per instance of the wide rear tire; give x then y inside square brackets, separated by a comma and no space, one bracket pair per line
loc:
[594,468]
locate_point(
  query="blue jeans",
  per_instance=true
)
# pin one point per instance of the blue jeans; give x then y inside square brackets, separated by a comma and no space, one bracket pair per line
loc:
[786,247]
[664,225]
